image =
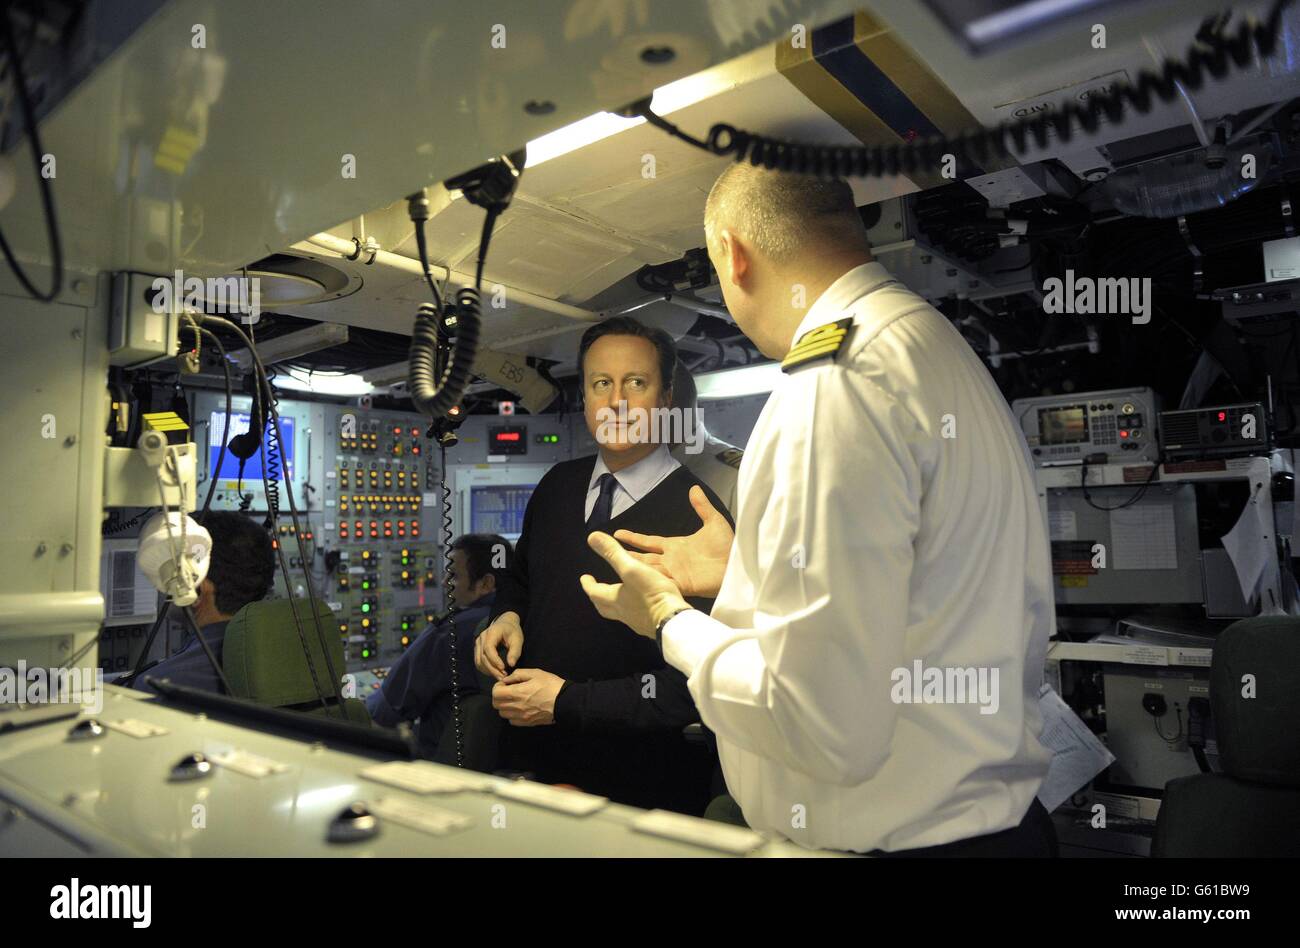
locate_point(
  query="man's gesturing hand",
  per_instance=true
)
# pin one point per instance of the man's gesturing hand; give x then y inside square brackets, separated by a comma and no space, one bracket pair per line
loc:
[644,597]
[694,563]
[506,631]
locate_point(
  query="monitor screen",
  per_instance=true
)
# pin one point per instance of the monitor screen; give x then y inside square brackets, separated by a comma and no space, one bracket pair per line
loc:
[253,466]
[1062,425]
[499,509]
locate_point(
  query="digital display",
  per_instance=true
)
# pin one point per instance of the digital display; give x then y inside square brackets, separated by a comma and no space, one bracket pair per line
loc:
[499,509]
[508,439]
[1062,425]
[253,466]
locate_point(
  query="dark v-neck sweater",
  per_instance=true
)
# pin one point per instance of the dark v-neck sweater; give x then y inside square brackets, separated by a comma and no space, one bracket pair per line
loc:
[619,718]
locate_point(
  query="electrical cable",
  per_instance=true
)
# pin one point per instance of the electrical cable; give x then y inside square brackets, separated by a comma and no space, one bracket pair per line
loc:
[1211,55]
[47,195]
[450,608]
[266,396]
[271,472]
[207,650]
[221,457]
[1141,491]
[1170,740]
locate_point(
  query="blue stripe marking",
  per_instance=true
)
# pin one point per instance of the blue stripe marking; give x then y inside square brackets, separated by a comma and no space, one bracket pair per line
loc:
[834,49]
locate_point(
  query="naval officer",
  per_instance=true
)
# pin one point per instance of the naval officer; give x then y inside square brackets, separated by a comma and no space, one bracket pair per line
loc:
[872,662]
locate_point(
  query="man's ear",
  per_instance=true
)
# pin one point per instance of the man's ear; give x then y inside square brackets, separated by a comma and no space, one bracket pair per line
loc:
[489,583]
[736,255]
[207,592]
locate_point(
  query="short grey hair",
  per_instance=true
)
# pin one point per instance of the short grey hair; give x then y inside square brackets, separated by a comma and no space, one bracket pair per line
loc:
[781,214]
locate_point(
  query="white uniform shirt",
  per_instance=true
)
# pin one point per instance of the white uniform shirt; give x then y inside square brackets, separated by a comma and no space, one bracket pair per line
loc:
[887,517]
[634,481]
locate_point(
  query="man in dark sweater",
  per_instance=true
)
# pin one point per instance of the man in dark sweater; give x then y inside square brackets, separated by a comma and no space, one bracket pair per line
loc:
[419,685]
[589,702]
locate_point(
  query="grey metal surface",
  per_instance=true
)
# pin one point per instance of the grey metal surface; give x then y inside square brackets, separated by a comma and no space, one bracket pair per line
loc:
[111,796]
[1112,584]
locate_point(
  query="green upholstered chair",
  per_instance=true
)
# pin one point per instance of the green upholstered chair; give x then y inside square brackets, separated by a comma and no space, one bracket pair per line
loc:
[263,659]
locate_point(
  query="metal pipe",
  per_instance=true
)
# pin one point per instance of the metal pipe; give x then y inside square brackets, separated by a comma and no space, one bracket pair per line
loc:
[699,306]
[346,248]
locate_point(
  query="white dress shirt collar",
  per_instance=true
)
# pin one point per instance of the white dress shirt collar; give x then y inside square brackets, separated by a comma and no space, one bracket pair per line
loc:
[841,294]
[640,478]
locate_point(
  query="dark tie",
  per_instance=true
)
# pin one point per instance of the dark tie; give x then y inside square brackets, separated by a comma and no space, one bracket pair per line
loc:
[600,514]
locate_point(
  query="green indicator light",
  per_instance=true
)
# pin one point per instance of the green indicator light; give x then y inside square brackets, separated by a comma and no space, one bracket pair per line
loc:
[405,626]
[365,653]
[365,607]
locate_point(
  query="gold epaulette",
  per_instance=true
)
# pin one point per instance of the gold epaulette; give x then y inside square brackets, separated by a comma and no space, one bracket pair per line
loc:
[820,343]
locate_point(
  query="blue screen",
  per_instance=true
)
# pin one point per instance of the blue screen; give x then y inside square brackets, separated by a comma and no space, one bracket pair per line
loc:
[253,466]
[499,508]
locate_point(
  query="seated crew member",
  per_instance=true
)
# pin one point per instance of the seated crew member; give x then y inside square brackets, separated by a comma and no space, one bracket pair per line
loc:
[419,685]
[241,570]
[590,703]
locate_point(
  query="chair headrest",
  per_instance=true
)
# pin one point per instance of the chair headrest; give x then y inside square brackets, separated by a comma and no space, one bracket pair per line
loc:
[263,657]
[1255,696]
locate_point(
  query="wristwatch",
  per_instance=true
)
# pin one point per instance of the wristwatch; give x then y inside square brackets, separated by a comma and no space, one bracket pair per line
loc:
[659,629]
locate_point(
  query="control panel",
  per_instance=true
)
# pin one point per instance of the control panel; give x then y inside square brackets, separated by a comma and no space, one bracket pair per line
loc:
[1120,424]
[367,487]
[380,541]
[1227,430]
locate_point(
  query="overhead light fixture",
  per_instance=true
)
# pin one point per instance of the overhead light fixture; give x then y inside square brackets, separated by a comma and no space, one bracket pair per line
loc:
[324,383]
[736,383]
[594,128]
[294,344]
[580,134]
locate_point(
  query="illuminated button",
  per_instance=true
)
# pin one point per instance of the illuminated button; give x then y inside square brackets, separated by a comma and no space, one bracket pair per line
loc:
[365,623]
[405,626]
[406,640]
[343,627]
[365,606]
[365,554]
[365,653]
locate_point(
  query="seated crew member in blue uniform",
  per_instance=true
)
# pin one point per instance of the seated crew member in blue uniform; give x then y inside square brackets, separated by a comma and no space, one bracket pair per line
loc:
[418,686]
[589,702]
[241,570]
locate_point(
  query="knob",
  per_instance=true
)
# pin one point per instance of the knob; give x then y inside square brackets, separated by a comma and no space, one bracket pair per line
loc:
[354,824]
[191,767]
[86,730]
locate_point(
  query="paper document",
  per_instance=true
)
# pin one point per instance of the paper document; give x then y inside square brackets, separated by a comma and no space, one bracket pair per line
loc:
[1144,537]
[1249,545]
[1077,754]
